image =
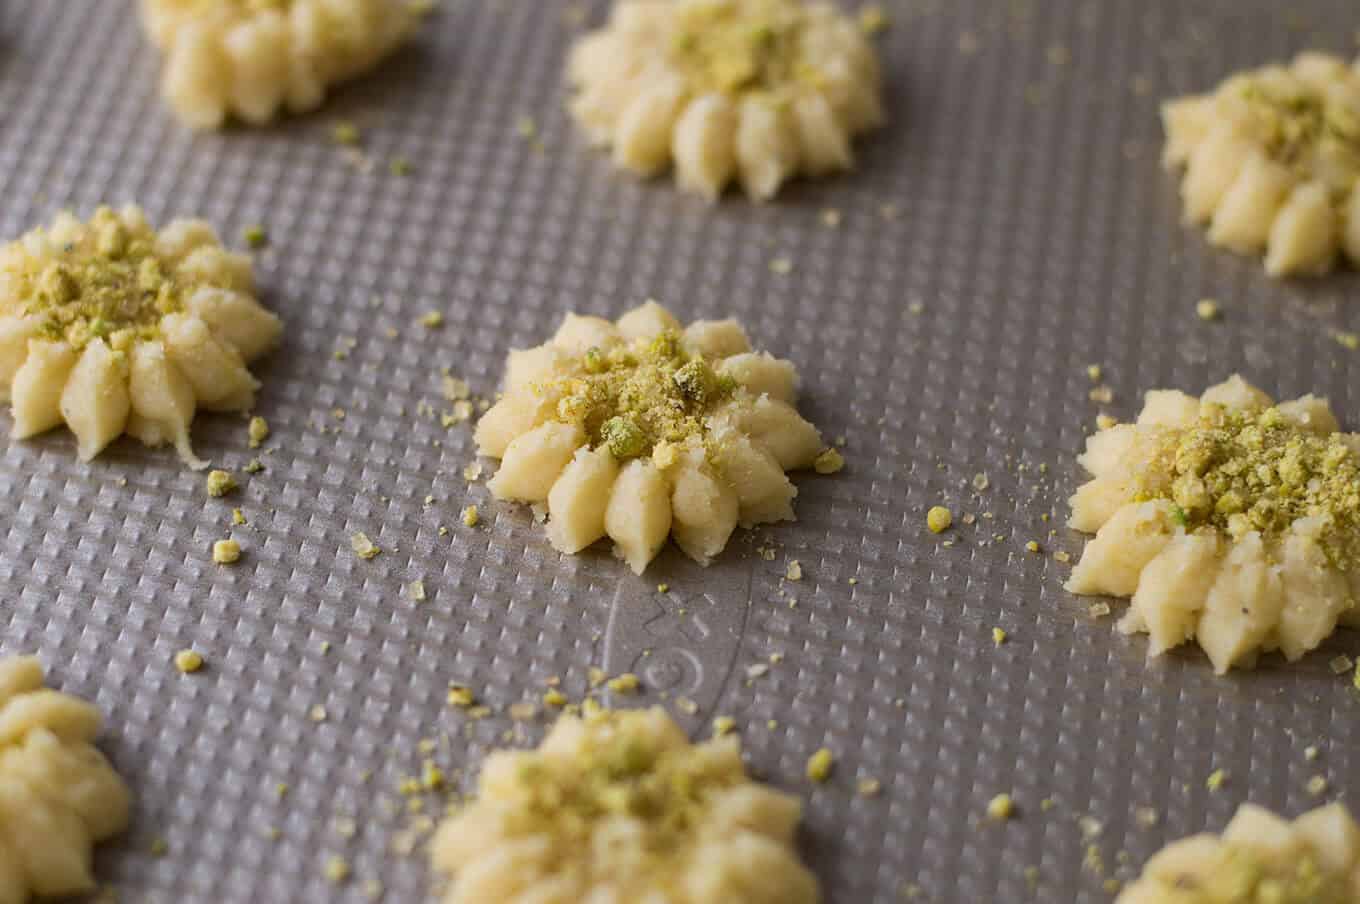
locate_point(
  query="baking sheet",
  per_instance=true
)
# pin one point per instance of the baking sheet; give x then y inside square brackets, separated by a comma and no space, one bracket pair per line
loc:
[1010,227]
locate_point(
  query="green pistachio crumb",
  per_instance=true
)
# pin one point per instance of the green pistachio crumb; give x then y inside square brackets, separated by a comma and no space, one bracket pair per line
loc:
[554,697]
[1000,808]
[432,320]
[999,636]
[400,166]
[1207,309]
[460,696]
[938,519]
[470,516]
[346,133]
[1216,780]
[337,869]
[724,725]
[820,764]
[627,683]
[255,236]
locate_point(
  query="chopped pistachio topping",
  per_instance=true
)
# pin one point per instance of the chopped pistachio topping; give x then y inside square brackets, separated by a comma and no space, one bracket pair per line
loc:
[220,483]
[554,697]
[1207,309]
[255,236]
[1314,132]
[938,519]
[470,516]
[1244,875]
[627,683]
[999,636]
[1000,808]
[226,552]
[460,696]
[108,282]
[616,769]
[724,725]
[820,764]
[632,398]
[754,46]
[188,661]
[1216,780]
[1256,470]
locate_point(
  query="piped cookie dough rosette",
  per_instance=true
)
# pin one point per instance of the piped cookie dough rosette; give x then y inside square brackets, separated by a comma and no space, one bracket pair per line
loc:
[1229,520]
[1260,857]
[640,430]
[754,90]
[619,807]
[58,795]
[109,327]
[1272,162]
[251,58]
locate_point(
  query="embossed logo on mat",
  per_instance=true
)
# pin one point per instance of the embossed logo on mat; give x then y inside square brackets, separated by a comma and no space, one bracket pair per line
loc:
[681,642]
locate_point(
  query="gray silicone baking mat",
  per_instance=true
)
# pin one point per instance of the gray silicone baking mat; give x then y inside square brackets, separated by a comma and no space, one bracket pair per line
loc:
[1010,227]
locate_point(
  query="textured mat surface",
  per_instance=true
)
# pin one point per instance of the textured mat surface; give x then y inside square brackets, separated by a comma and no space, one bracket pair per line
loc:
[1009,228]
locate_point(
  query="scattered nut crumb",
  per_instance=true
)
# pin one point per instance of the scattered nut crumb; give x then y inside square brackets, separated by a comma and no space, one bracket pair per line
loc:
[1207,309]
[1000,808]
[188,661]
[829,462]
[820,764]
[226,552]
[220,483]
[938,519]
[258,430]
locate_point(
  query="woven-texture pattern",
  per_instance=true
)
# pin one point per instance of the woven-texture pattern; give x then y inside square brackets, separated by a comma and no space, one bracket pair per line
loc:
[1011,226]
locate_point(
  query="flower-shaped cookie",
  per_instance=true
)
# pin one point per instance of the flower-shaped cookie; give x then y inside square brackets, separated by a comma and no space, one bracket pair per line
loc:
[1228,519]
[1260,858]
[110,327]
[640,430]
[58,795]
[620,807]
[758,90]
[248,58]
[1272,159]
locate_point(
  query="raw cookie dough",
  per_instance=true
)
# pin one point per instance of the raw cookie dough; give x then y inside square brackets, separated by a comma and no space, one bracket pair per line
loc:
[756,90]
[111,327]
[619,807]
[1228,519]
[642,429]
[1260,858]
[1272,158]
[58,795]
[249,58]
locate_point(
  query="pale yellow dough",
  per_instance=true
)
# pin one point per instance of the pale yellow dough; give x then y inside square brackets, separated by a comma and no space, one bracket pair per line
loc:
[1272,160]
[252,58]
[58,795]
[1259,858]
[720,465]
[110,327]
[1236,588]
[619,808]
[758,91]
